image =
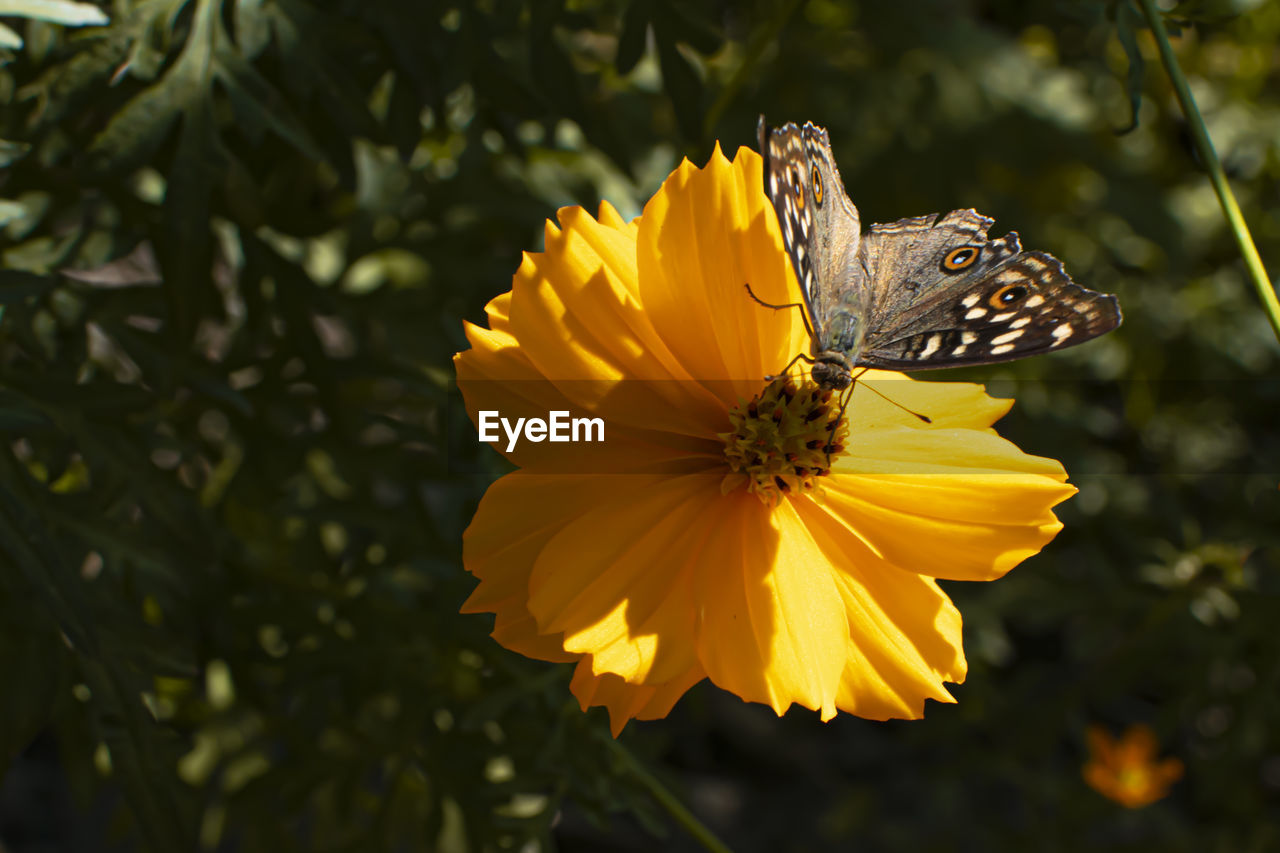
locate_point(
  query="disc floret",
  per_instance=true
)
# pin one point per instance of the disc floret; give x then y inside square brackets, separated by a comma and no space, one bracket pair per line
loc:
[783,440]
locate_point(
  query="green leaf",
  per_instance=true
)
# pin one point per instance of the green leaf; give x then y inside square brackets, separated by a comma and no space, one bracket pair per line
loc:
[681,82]
[25,540]
[553,72]
[11,211]
[307,69]
[185,247]
[33,666]
[65,12]
[697,34]
[16,415]
[11,152]
[256,101]
[252,28]
[1126,19]
[135,132]
[143,758]
[17,286]
[635,33]
[402,119]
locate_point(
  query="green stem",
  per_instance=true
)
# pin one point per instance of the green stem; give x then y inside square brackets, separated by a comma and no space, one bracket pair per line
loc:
[666,799]
[1204,145]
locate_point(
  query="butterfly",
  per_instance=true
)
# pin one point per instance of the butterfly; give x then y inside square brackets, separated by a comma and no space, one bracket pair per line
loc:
[923,292]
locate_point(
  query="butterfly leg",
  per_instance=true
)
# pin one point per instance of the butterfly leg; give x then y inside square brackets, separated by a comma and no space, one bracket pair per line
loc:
[790,364]
[803,314]
[845,396]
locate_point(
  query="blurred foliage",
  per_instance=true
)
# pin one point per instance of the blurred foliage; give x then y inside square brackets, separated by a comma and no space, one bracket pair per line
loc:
[239,238]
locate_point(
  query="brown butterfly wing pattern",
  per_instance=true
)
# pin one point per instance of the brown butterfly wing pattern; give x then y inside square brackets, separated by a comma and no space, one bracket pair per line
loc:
[820,226]
[944,295]
[920,293]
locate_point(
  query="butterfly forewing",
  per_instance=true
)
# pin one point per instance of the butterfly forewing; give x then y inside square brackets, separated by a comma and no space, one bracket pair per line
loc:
[820,226]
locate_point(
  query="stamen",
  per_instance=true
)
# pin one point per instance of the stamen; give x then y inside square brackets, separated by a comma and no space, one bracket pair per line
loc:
[783,441]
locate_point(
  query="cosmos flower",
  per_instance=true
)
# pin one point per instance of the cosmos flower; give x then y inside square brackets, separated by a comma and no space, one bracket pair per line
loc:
[1126,769]
[728,527]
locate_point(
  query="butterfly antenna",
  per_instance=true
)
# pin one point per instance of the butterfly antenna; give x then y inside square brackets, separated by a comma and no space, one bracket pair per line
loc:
[924,418]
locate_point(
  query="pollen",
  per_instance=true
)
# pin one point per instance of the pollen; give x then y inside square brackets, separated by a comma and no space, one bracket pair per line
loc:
[782,442]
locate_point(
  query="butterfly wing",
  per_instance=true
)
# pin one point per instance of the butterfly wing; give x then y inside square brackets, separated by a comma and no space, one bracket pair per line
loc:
[820,231]
[944,295]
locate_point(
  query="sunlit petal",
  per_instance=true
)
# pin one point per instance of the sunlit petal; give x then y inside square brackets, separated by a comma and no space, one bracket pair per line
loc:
[715,227]
[771,625]
[629,701]
[617,580]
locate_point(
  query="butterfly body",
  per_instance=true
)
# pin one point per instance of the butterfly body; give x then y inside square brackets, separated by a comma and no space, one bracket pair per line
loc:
[920,293]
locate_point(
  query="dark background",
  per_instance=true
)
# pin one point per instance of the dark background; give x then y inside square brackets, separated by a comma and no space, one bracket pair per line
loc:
[230,539]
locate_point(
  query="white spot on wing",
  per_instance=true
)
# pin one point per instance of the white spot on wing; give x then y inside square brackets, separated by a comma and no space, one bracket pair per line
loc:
[968,337]
[1061,332]
[1002,349]
[1034,301]
[970,300]
[960,349]
[1000,318]
[1019,323]
[976,313]
[1007,336]
[931,346]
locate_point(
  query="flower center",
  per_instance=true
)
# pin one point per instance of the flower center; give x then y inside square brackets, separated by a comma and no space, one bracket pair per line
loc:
[1133,780]
[783,440]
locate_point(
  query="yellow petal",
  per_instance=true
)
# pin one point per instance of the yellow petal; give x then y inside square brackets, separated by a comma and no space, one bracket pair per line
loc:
[1137,746]
[704,235]
[516,518]
[771,626]
[629,701]
[616,581]
[904,633]
[515,629]
[954,504]
[883,398]
[495,375]
[499,312]
[610,217]
[943,451]
[574,307]
[581,326]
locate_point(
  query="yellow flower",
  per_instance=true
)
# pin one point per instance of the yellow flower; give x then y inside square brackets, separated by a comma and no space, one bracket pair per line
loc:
[727,527]
[1126,770]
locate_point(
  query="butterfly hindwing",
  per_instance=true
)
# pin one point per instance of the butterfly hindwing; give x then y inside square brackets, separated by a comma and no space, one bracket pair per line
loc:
[945,295]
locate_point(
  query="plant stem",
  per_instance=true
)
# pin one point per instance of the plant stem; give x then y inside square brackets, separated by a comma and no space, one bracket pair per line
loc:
[1204,145]
[666,799]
